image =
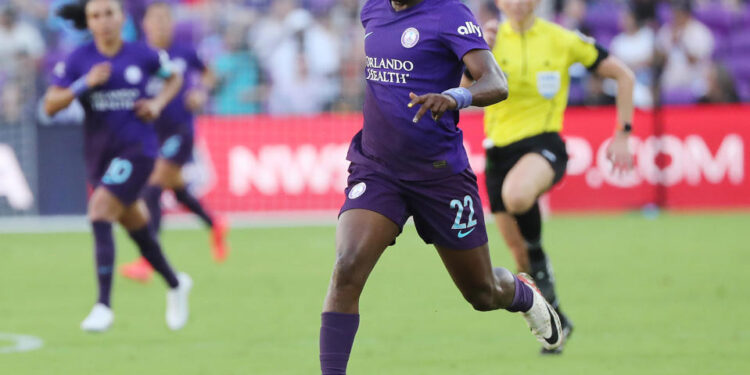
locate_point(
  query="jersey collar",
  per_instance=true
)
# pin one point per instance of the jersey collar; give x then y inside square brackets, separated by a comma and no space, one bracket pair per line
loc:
[507,30]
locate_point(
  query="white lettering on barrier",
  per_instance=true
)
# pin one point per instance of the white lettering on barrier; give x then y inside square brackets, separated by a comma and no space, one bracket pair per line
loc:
[280,168]
[729,160]
[13,184]
[690,161]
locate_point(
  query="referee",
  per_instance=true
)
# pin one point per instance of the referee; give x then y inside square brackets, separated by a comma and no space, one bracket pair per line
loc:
[525,154]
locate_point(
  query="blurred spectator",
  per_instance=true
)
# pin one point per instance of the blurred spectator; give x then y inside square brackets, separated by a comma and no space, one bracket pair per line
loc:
[307,56]
[17,38]
[573,15]
[635,47]
[685,46]
[302,60]
[720,87]
[236,69]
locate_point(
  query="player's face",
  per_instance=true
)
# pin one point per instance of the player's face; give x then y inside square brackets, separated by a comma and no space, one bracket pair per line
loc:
[104,19]
[518,10]
[159,25]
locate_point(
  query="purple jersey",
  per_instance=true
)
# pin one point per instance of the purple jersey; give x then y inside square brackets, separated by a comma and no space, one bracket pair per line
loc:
[420,50]
[111,125]
[184,60]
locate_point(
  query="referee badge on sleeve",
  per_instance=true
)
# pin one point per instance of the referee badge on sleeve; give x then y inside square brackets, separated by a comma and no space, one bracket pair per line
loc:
[548,84]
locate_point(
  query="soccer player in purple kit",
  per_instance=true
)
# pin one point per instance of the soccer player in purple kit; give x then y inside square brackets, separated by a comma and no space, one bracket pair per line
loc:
[406,164]
[176,133]
[109,77]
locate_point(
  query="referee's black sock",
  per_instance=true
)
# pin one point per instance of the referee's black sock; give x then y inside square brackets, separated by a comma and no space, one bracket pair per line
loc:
[530,225]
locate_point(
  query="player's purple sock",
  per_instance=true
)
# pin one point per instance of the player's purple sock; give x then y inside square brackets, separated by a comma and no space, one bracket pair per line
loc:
[523,299]
[152,196]
[146,240]
[104,254]
[337,332]
[192,204]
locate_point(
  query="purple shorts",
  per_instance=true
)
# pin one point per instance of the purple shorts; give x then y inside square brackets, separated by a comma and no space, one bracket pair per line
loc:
[177,146]
[124,175]
[447,212]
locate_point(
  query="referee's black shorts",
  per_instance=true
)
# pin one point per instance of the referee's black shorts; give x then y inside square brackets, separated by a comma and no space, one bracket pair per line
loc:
[500,160]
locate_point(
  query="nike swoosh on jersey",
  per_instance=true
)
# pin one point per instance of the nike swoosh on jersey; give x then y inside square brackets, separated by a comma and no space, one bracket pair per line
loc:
[368,34]
[552,340]
[464,234]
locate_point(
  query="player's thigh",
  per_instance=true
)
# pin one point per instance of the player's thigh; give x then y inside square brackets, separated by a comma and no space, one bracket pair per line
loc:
[361,238]
[103,205]
[513,239]
[531,176]
[135,216]
[167,174]
[370,219]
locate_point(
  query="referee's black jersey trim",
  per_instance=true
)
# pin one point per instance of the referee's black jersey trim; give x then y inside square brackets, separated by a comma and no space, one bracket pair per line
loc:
[602,54]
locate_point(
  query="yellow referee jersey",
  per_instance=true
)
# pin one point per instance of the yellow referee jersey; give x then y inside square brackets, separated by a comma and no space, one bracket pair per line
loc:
[536,64]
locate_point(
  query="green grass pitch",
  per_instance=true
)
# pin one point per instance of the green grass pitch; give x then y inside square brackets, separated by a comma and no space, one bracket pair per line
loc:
[662,296]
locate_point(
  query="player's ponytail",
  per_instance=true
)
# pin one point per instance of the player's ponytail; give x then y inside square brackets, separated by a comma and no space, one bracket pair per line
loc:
[74,12]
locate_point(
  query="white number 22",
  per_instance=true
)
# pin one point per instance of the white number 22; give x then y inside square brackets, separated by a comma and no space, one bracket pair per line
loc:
[467,203]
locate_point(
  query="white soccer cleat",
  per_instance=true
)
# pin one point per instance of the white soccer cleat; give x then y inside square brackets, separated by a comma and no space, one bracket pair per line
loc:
[99,319]
[542,318]
[177,302]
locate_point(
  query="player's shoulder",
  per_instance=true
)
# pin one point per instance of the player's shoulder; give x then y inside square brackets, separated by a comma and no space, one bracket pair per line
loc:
[138,47]
[564,35]
[450,7]
[371,9]
[180,49]
[82,51]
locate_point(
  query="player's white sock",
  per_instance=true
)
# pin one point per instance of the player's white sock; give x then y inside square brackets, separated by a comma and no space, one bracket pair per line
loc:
[177,302]
[99,319]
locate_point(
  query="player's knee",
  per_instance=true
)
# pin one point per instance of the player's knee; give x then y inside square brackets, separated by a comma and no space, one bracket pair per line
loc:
[102,210]
[482,298]
[346,275]
[517,200]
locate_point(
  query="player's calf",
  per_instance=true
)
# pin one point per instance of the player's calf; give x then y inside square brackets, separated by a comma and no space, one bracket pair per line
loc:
[496,294]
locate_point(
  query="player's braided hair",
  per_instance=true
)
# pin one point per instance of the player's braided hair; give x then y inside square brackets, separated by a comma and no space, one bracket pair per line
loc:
[76,13]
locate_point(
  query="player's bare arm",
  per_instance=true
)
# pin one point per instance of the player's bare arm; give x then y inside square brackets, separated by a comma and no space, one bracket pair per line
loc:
[490,87]
[58,98]
[150,109]
[618,152]
[197,97]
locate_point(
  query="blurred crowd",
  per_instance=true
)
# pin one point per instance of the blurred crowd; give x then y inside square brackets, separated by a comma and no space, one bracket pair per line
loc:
[306,56]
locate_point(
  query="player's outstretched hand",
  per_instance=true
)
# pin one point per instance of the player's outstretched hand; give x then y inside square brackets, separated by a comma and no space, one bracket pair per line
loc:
[147,109]
[99,74]
[619,153]
[196,99]
[436,103]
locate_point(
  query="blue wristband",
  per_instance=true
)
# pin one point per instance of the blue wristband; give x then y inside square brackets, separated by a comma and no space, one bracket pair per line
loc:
[461,95]
[79,87]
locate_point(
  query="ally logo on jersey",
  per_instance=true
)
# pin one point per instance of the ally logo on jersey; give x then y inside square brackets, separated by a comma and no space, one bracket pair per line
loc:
[470,28]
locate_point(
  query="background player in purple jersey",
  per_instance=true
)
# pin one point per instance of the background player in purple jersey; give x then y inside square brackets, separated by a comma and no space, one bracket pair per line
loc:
[406,164]
[176,133]
[109,77]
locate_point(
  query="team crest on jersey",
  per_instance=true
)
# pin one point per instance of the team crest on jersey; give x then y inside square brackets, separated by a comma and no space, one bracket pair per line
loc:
[410,37]
[60,69]
[133,75]
[357,190]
